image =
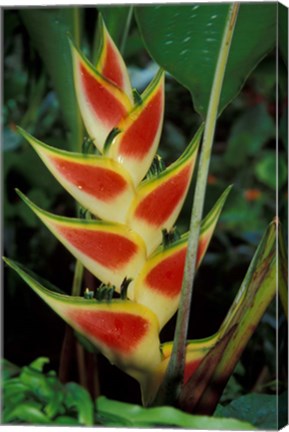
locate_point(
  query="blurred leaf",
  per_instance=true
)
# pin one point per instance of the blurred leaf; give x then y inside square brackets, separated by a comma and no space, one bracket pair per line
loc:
[77,397]
[18,173]
[263,79]
[55,404]
[37,382]
[249,133]
[185,41]
[65,421]
[243,215]
[8,369]
[49,29]
[259,409]
[266,170]
[114,413]
[14,392]
[11,139]
[28,412]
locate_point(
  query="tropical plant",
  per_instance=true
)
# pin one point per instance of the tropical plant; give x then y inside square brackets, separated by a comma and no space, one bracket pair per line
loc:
[125,234]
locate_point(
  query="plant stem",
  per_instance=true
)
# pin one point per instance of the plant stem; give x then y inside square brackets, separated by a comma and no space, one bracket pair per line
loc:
[175,371]
[77,279]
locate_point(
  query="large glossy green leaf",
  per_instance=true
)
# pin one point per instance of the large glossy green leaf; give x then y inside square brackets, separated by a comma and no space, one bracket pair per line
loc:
[49,29]
[185,41]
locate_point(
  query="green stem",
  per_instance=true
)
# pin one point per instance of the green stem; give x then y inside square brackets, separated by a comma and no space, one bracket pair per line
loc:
[77,279]
[175,371]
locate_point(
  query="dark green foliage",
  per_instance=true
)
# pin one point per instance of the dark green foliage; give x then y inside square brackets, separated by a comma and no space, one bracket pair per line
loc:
[185,40]
[32,396]
[35,397]
[263,411]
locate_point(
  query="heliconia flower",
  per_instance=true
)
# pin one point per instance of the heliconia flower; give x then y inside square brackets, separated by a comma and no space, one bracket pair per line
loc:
[136,144]
[102,104]
[132,208]
[108,250]
[159,200]
[109,62]
[125,332]
[159,284]
[99,184]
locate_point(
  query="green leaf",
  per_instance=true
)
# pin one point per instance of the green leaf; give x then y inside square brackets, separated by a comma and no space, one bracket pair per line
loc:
[8,369]
[77,397]
[253,298]
[259,409]
[114,413]
[28,412]
[48,29]
[65,421]
[249,133]
[266,170]
[14,392]
[39,363]
[185,41]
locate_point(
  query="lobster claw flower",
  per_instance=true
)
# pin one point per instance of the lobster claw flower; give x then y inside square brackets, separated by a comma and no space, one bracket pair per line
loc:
[131,207]
[110,251]
[99,184]
[125,332]
[159,283]
[109,62]
[136,143]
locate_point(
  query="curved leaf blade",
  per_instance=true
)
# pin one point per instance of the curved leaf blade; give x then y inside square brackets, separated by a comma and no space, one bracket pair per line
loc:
[185,41]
